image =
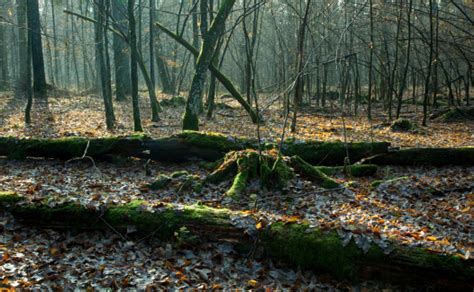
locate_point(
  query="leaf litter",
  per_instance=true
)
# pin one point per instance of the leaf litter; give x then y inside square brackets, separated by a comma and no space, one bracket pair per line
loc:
[415,206]
[427,207]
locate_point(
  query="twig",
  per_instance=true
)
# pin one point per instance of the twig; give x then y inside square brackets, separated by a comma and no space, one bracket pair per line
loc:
[113,229]
[85,156]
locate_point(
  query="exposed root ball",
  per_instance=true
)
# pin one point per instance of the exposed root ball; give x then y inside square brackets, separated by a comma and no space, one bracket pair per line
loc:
[274,171]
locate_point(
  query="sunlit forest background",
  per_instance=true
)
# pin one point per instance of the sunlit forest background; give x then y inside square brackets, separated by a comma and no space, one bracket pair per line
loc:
[287,145]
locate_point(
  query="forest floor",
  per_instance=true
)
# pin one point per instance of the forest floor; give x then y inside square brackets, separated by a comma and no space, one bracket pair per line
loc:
[84,116]
[428,207]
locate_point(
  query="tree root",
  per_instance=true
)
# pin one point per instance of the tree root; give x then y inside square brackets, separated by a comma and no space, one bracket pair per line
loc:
[274,171]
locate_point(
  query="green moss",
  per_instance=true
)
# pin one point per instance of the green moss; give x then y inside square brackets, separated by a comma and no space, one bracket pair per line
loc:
[9,198]
[161,182]
[403,125]
[458,115]
[226,169]
[312,173]
[66,148]
[175,101]
[179,173]
[356,170]
[190,121]
[295,244]
[332,153]
[239,184]
[281,173]
[426,156]
[377,183]
[216,141]
[313,250]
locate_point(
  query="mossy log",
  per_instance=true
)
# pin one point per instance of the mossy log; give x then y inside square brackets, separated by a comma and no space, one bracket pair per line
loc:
[425,156]
[190,145]
[293,243]
[273,169]
[210,146]
[185,146]
[312,173]
[70,147]
[270,169]
[356,170]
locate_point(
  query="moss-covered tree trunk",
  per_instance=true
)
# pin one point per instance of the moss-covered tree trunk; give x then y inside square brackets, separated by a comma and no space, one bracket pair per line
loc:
[191,115]
[217,73]
[294,243]
[182,147]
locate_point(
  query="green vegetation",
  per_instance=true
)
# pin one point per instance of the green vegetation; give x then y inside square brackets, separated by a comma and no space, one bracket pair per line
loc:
[404,125]
[425,156]
[293,243]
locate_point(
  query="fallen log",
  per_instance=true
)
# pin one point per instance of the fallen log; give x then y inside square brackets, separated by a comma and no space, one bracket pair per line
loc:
[70,147]
[185,146]
[293,243]
[425,156]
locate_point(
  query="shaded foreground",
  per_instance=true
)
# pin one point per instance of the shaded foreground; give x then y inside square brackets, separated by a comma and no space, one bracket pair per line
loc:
[294,243]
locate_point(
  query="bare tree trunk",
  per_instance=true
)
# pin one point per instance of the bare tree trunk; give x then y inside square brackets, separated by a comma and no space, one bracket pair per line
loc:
[39,77]
[27,82]
[22,84]
[298,95]
[104,70]
[137,124]
[430,62]
[190,119]
[121,54]
[403,81]
[151,27]
[371,60]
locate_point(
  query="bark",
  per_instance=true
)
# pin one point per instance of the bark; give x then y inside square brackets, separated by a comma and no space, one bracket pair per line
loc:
[293,243]
[425,156]
[39,77]
[429,67]
[3,57]
[121,54]
[104,68]
[371,61]
[299,86]
[186,146]
[166,86]
[221,77]
[22,82]
[190,119]
[137,124]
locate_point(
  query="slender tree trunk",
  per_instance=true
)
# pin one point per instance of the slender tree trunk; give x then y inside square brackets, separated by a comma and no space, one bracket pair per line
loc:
[430,62]
[298,95]
[151,27]
[137,124]
[121,53]
[395,62]
[467,83]
[403,81]
[22,84]
[190,119]
[39,77]
[436,58]
[371,62]
[57,68]
[27,82]
[104,72]
[3,56]
[166,85]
